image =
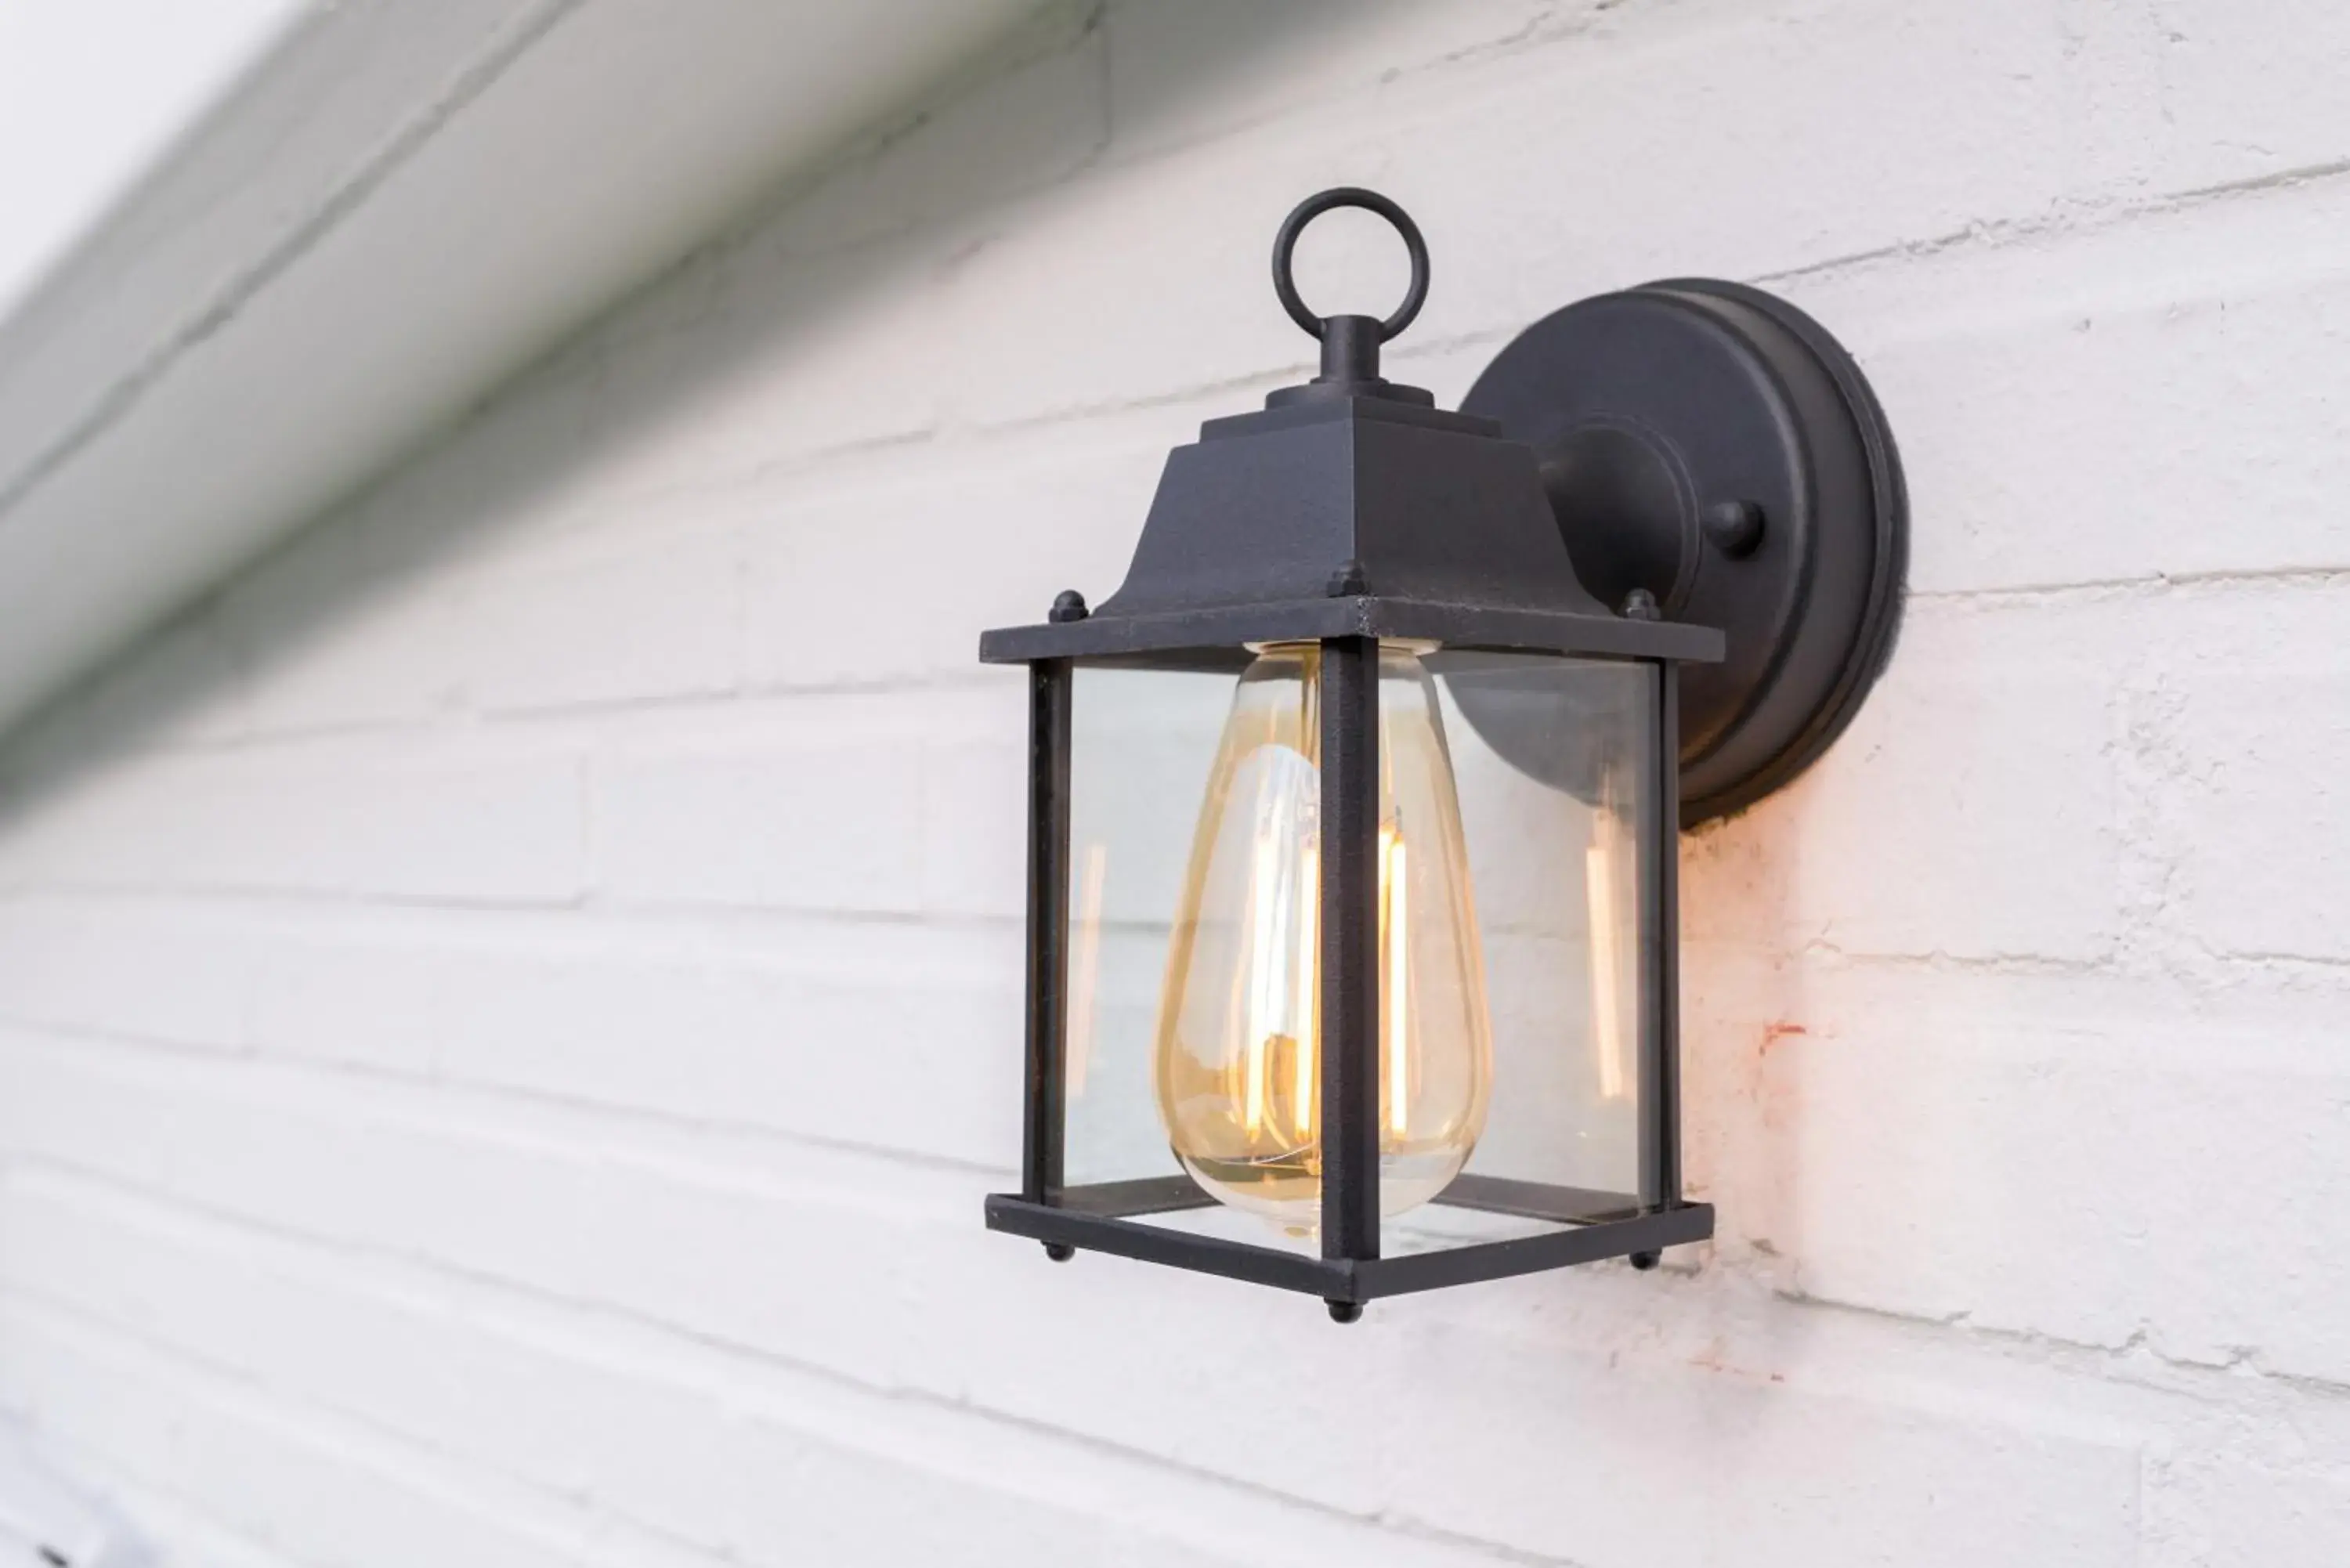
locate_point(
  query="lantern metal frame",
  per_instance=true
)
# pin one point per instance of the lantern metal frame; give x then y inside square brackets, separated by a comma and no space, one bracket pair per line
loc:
[1351,510]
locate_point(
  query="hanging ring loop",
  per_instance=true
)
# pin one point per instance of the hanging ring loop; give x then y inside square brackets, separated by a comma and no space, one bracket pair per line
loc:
[1284,284]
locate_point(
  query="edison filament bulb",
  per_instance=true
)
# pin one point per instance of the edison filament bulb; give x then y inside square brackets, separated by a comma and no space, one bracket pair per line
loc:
[1239,1050]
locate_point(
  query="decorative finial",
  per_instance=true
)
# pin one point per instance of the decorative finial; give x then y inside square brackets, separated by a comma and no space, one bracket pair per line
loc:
[1350,344]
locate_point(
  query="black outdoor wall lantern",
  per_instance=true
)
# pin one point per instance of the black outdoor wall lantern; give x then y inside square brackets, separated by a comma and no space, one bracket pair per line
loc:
[1352,930]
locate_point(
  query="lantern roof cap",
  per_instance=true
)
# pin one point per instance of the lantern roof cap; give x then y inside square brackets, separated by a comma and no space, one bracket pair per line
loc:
[1350,506]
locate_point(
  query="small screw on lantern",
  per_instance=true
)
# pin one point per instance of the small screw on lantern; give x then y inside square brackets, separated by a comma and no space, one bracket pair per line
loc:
[1352,956]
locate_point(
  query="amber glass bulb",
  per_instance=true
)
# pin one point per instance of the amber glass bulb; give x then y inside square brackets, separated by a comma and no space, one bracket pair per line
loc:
[1239,1050]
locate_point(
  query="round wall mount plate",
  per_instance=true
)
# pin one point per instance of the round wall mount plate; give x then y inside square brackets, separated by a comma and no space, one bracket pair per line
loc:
[1710,445]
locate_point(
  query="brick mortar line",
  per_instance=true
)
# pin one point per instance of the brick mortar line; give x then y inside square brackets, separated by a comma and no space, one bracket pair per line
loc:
[1561,25]
[2180,959]
[458,716]
[723,1351]
[2003,1342]
[525,1142]
[356,1446]
[327,1070]
[2138,586]
[2088,217]
[719,1351]
[582,903]
[655,920]
[2243,1365]
[2082,217]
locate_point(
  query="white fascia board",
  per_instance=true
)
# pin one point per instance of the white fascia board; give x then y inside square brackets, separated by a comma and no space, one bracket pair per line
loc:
[405,201]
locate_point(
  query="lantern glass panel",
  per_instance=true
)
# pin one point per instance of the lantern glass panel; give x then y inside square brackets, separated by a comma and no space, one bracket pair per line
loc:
[1563,838]
[1557,835]
[1141,745]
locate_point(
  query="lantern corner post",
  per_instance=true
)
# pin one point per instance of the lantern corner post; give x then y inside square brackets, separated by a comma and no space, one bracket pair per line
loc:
[1050,689]
[1661,1013]
[1350,1003]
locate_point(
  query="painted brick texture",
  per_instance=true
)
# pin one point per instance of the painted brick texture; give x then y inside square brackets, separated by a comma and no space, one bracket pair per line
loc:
[507,1008]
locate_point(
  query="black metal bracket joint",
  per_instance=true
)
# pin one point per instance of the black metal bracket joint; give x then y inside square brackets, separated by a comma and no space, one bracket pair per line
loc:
[1710,447]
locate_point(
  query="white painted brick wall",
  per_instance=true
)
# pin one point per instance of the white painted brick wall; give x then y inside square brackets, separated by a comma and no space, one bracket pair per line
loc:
[507,1009]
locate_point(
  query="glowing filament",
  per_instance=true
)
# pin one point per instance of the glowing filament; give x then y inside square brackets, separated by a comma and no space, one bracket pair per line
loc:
[1308,1047]
[1085,971]
[1606,1014]
[1395,936]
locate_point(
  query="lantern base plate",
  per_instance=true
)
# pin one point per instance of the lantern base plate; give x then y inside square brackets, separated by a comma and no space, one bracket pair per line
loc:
[1111,1217]
[1709,446]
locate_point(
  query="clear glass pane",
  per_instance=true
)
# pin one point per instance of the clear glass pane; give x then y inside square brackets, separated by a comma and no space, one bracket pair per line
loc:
[1556,764]
[1142,742]
[1509,907]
